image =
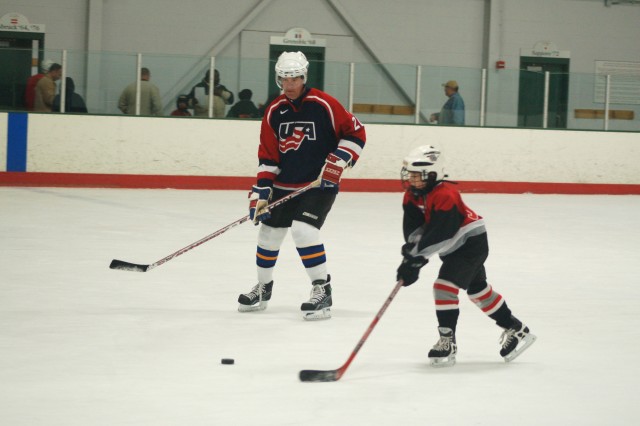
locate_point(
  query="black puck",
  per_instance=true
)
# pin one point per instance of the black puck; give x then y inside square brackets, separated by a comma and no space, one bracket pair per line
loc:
[227,361]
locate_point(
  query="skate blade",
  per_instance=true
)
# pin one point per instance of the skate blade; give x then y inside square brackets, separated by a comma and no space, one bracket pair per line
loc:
[443,362]
[527,341]
[253,308]
[322,314]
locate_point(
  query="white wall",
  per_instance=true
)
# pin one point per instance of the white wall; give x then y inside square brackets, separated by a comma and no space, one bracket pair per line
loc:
[588,29]
[429,32]
[65,20]
[200,147]
[463,35]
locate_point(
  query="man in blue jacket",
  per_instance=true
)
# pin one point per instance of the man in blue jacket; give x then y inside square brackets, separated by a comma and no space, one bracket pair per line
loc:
[453,110]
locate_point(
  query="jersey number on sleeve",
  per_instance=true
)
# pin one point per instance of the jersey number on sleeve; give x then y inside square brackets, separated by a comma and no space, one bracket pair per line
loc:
[356,123]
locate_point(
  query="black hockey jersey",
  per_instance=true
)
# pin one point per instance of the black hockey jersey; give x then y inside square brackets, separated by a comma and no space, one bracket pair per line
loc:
[439,222]
[297,136]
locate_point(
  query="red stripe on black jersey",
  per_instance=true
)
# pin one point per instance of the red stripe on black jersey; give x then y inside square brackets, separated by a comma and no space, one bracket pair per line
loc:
[439,222]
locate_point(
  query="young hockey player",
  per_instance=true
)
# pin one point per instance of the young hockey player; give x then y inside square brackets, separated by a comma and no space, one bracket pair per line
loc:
[436,220]
[305,135]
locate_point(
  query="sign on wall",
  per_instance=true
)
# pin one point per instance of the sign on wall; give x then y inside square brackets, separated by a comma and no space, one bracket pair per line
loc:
[298,37]
[545,49]
[625,82]
[16,22]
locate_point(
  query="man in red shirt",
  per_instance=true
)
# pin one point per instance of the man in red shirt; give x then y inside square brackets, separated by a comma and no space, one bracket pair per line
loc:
[182,105]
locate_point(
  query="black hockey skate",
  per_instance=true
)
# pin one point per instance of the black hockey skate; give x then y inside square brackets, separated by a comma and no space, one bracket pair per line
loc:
[443,353]
[515,340]
[257,299]
[318,307]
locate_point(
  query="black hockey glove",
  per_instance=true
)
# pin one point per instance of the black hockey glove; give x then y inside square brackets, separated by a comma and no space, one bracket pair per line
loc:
[409,269]
[405,251]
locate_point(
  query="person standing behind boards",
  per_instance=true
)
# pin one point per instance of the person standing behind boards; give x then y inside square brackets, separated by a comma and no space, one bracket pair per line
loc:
[453,110]
[244,108]
[73,102]
[150,102]
[46,89]
[199,96]
[30,91]
[182,107]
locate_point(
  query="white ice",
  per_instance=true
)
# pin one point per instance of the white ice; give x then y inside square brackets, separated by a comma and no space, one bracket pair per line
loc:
[81,344]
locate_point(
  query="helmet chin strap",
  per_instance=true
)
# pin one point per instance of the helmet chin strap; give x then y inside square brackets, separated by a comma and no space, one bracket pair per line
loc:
[430,183]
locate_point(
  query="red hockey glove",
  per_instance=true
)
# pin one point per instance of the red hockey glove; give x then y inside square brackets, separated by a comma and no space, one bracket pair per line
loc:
[332,171]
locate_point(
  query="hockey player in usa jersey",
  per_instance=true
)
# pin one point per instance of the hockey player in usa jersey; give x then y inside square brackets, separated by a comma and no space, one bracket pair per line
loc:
[306,135]
[437,221]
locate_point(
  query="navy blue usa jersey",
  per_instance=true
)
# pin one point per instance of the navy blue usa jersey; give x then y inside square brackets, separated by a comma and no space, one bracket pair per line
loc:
[297,136]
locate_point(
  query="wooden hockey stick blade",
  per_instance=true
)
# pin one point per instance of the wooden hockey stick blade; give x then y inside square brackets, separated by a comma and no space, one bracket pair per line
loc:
[126,266]
[319,375]
[334,375]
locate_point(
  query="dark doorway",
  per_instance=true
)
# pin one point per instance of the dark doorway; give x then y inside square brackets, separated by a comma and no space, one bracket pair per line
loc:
[15,57]
[531,92]
[315,56]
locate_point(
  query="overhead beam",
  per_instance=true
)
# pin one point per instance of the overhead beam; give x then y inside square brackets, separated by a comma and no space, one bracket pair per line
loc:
[230,35]
[372,50]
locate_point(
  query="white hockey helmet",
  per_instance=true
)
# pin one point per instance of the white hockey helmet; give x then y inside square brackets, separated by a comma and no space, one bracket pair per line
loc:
[291,64]
[426,160]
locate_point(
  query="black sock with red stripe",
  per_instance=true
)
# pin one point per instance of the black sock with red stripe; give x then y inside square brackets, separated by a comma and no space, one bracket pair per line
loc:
[502,316]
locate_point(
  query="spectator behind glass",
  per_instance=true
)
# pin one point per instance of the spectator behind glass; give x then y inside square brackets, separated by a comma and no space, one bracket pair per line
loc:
[182,105]
[30,91]
[150,102]
[244,108]
[46,89]
[199,96]
[453,110]
[73,102]
[263,107]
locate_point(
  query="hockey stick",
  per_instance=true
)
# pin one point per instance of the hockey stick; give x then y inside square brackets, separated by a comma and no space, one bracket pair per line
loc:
[334,375]
[127,266]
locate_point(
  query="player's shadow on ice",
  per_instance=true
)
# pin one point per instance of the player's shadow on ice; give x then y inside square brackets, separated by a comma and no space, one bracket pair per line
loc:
[465,367]
[415,369]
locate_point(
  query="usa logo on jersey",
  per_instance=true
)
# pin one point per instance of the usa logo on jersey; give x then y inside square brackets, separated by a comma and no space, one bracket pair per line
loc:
[292,134]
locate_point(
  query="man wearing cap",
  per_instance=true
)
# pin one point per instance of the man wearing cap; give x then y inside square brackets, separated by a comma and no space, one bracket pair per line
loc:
[453,110]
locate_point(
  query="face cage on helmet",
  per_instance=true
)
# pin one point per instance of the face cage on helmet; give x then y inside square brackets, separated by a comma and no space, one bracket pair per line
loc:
[428,177]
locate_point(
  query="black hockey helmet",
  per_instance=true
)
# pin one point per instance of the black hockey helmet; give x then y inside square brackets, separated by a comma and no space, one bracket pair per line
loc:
[182,99]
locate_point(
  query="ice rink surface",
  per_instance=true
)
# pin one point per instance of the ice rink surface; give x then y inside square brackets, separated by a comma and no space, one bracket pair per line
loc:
[81,344]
